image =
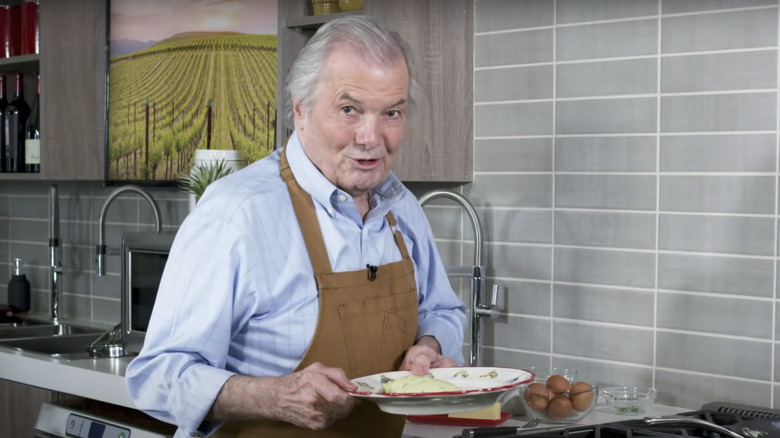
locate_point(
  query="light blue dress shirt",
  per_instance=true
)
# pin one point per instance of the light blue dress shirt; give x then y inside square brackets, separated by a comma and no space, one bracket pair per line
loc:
[238,292]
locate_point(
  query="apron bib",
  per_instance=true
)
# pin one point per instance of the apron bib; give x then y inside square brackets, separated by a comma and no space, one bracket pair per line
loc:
[367,320]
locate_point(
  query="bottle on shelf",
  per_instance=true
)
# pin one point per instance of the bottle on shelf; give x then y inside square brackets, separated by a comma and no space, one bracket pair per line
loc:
[16,114]
[3,106]
[32,139]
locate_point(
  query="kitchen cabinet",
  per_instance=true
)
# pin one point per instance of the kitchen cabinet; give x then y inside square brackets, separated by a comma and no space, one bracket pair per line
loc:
[439,135]
[72,64]
[19,406]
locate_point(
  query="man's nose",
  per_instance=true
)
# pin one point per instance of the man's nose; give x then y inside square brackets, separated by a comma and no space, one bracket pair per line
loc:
[367,133]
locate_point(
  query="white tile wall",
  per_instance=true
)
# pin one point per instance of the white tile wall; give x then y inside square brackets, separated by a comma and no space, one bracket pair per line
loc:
[645,249]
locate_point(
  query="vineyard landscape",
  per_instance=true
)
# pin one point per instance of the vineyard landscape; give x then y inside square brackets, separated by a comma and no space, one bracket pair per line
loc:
[195,90]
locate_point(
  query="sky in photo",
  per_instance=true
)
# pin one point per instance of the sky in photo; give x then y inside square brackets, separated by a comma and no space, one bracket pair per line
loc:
[155,20]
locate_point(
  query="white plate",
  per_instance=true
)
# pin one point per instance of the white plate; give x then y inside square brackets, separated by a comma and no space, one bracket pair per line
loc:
[480,388]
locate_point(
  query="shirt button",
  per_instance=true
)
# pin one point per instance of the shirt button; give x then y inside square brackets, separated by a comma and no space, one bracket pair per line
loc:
[342,198]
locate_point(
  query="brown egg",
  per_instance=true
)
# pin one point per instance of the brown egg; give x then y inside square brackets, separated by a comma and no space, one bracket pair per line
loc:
[559,407]
[581,396]
[537,396]
[558,384]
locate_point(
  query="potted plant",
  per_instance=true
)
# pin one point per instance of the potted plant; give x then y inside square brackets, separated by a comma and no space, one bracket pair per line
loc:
[202,175]
[210,165]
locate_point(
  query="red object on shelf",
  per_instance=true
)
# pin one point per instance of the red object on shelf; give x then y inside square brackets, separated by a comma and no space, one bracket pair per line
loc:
[29,30]
[4,13]
[13,31]
[446,420]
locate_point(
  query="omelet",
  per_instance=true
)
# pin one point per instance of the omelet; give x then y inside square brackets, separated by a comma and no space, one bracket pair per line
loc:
[411,383]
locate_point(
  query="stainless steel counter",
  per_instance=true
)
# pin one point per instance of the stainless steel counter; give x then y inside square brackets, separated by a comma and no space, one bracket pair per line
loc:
[98,379]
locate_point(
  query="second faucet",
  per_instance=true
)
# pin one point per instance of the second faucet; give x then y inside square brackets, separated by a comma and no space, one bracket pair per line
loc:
[100,249]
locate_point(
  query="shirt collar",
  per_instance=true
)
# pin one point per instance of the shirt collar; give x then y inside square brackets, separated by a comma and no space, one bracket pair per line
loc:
[323,191]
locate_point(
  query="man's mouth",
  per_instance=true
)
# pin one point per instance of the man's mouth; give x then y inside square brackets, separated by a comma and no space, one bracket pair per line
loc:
[367,162]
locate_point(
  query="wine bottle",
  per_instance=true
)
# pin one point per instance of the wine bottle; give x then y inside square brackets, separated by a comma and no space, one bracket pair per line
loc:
[32,139]
[16,114]
[3,106]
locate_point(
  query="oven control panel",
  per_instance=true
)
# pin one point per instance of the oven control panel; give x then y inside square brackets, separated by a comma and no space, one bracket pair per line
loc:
[83,427]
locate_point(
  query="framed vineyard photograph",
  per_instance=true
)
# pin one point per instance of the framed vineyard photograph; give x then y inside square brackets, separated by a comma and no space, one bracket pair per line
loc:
[185,75]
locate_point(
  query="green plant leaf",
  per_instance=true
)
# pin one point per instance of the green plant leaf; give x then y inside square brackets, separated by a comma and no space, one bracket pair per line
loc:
[202,175]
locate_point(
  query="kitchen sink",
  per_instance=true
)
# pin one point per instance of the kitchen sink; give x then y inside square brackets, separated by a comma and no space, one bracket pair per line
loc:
[35,330]
[16,322]
[68,346]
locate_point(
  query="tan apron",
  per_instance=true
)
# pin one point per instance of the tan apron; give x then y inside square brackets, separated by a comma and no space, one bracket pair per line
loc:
[367,320]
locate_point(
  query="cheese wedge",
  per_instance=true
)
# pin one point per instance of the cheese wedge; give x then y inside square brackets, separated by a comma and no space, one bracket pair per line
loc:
[492,412]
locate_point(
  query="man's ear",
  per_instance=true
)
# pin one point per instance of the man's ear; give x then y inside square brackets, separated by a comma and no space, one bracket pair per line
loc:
[297,106]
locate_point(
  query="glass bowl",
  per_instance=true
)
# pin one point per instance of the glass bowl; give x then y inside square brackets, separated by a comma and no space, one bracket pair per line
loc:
[629,400]
[543,373]
[562,401]
[511,401]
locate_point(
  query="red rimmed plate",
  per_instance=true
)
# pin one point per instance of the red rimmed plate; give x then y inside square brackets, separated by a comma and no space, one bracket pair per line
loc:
[480,387]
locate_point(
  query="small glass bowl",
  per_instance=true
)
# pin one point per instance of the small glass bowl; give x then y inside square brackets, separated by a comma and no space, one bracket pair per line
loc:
[629,400]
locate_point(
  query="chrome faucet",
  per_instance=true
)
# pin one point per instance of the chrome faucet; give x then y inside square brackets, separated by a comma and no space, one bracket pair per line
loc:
[478,310]
[55,254]
[100,249]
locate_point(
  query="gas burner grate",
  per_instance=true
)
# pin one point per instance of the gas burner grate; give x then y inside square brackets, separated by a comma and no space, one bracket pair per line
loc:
[744,411]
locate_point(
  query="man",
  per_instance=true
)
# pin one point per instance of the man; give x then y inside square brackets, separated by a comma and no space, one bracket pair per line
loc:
[306,269]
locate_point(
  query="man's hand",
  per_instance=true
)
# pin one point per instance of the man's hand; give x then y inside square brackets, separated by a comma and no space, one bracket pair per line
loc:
[424,355]
[314,398]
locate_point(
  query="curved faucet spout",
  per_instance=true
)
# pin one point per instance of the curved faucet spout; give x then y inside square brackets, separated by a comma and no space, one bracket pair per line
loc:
[472,212]
[477,309]
[101,246]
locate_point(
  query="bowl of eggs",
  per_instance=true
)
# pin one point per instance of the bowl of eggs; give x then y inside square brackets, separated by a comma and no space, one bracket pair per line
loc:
[558,399]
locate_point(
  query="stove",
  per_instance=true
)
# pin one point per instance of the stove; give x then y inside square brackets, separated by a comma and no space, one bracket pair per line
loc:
[713,420]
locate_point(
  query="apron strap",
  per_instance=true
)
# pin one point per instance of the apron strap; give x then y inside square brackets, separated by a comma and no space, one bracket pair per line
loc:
[307,218]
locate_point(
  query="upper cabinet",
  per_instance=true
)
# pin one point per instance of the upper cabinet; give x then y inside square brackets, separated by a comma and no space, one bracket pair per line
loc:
[72,65]
[439,135]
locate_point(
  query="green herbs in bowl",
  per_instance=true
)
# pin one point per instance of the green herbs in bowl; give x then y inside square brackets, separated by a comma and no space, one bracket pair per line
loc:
[629,400]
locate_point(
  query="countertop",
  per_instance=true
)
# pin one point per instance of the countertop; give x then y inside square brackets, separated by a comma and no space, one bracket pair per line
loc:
[103,380]
[601,413]
[98,379]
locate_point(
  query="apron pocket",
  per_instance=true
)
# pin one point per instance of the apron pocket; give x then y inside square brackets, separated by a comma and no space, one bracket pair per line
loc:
[377,332]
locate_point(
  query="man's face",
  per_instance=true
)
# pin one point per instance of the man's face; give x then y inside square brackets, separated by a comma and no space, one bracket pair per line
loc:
[355,123]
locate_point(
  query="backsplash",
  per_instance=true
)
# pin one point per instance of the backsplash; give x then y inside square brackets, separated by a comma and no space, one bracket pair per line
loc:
[24,232]
[626,169]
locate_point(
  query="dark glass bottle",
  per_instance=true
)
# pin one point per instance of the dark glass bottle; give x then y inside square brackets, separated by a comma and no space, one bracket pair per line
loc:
[16,114]
[3,106]
[32,139]
[19,289]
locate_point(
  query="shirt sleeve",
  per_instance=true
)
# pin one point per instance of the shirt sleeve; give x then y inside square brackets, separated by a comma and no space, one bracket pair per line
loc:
[181,368]
[442,313]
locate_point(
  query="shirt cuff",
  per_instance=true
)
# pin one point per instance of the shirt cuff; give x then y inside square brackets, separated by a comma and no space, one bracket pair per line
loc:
[449,341]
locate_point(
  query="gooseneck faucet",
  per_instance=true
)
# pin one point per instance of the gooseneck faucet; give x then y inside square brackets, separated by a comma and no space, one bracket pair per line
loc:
[477,309]
[55,252]
[100,249]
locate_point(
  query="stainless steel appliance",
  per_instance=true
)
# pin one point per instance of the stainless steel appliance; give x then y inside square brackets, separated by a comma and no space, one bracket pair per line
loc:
[144,255]
[713,420]
[92,419]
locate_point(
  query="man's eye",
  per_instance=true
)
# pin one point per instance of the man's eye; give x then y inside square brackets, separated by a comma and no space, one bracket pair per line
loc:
[393,113]
[348,109]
